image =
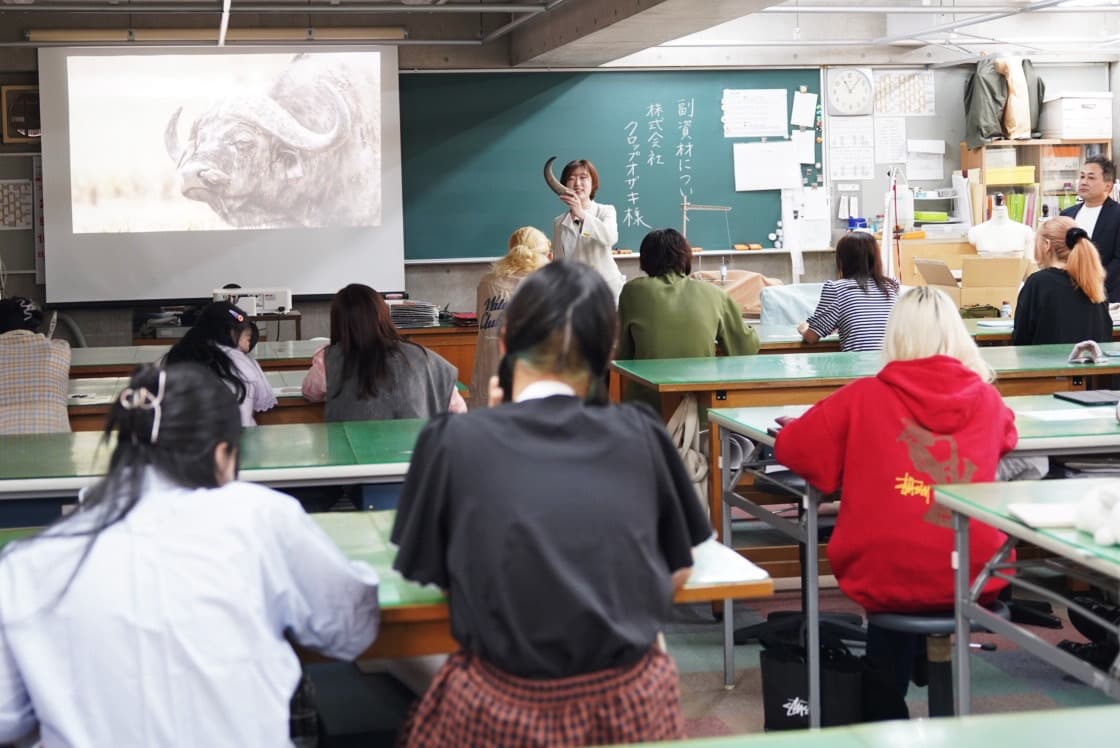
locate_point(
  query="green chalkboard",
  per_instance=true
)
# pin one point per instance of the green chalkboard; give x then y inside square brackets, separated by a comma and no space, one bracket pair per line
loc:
[473,145]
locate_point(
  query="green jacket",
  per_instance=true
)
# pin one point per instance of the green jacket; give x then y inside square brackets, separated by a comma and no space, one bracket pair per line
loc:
[985,96]
[674,316]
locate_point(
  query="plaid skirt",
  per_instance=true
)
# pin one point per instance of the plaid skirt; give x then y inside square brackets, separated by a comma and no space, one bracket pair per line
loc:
[472,703]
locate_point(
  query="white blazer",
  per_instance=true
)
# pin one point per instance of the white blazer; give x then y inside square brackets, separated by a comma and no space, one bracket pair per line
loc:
[590,243]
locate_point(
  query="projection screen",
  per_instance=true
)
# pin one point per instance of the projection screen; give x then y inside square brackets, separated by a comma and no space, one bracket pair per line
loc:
[168,173]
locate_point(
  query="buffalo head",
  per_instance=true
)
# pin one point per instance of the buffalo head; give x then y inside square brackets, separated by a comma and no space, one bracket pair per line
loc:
[244,150]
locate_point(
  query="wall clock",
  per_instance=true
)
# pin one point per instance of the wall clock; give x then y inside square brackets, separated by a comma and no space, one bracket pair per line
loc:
[850,92]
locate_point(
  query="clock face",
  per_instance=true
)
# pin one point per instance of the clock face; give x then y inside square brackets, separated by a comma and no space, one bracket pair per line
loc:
[849,92]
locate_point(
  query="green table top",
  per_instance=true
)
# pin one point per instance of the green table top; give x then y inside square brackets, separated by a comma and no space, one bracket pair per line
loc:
[101,391]
[294,350]
[988,502]
[322,452]
[724,372]
[1046,424]
[362,536]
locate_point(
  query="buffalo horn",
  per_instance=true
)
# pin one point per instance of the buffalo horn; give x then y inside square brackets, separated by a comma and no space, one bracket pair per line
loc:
[171,136]
[552,181]
[266,113]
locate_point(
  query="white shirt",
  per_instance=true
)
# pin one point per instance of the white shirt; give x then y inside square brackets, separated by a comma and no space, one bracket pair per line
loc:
[543,388]
[173,631]
[258,392]
[1087,218]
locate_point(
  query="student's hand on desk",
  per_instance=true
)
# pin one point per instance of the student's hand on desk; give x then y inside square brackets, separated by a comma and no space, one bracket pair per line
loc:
[802,327]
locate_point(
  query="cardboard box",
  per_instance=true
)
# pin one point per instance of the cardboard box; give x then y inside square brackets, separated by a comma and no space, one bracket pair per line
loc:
[984,280]
[1077,115]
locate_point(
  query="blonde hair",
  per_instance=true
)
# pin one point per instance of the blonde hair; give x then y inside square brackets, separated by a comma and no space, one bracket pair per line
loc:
[925,322]
[528,250]
[1083,261]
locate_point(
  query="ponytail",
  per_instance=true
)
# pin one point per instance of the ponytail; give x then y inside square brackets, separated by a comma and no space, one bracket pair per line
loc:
[528,250]
[1084,265]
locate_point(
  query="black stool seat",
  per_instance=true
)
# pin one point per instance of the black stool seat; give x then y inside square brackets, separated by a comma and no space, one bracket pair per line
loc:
[780,482]
[929,624]
[936,628]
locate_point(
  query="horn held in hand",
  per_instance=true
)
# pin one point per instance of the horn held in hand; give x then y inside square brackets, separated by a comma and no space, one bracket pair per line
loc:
[552,181]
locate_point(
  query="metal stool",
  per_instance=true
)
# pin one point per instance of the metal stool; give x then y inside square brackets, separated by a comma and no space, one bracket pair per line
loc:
[939,651]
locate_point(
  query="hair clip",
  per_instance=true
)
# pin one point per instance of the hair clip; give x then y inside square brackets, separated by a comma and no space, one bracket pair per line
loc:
[236,315]
[141,398]
[28,309]
[1074,235]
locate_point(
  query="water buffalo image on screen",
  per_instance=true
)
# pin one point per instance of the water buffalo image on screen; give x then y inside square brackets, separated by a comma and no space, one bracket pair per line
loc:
[245,142]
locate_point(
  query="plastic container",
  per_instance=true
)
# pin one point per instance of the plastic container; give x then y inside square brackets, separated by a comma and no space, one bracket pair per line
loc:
[1005,310]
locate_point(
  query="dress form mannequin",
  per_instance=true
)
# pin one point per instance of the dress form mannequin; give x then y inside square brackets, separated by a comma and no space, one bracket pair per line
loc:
[1000,236]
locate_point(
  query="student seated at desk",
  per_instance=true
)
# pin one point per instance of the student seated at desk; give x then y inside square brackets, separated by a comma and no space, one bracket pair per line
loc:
[1065,301]
[670,315]
[369,372]
[160,612]
[34,372]
[529,249]
[560,528]
[930,416]
[857,305]
[216,341]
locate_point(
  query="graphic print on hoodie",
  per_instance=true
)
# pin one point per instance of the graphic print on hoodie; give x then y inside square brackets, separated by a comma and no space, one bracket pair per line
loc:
[885,441]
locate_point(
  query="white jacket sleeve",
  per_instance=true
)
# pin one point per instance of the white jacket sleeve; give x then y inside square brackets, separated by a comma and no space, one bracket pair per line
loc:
[323,600]
[601,226]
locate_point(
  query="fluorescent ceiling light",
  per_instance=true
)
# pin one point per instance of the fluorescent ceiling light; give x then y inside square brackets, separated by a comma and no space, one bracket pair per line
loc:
[328,33]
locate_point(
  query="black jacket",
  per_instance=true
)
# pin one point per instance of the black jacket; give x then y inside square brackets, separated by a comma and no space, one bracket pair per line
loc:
[1106,237]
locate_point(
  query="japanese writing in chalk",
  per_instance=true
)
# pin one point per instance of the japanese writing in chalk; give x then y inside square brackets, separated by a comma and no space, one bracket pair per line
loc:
[686,108]
[632,214]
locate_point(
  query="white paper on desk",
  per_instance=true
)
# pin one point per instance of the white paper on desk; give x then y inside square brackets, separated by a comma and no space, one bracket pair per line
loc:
[754,113]
[1069,414]
[851,148]
[805,143]
[766,166]
[890,140]
[715,563]
[1045,515]
[804,112]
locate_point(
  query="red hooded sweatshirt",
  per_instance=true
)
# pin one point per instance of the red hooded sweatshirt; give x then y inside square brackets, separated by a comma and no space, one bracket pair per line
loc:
[887,440]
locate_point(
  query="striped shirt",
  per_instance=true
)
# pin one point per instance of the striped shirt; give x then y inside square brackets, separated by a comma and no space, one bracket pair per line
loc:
[859,315]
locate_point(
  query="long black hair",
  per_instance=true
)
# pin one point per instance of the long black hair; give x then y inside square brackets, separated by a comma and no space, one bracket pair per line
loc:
[363,329]
[168,420]
[857,257]
[562,319]
[216,330]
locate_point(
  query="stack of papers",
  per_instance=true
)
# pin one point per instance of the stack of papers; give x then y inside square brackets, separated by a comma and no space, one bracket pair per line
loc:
[1044,515]
[406,313]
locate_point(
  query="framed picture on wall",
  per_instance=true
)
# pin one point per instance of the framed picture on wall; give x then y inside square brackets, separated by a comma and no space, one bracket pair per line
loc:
[20,105]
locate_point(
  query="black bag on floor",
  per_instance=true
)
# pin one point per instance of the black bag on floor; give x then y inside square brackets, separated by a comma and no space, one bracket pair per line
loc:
[785,686]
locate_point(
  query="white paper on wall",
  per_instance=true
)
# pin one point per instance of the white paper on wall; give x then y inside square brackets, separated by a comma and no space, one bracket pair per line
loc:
[766,166]
[851,148]
[754,113]
[890,140]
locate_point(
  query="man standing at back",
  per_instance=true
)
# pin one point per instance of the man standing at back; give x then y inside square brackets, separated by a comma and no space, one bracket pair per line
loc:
[1099,215]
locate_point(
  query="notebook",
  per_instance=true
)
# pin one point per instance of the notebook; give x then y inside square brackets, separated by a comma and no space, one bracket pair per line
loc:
[1090,397]
[1045,515]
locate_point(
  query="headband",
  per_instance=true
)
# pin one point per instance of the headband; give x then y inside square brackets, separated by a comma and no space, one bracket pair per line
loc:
[141,398]
[1075,235]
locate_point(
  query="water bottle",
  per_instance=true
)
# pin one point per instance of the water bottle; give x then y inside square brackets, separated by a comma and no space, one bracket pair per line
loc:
[722,271]
[1005,310]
